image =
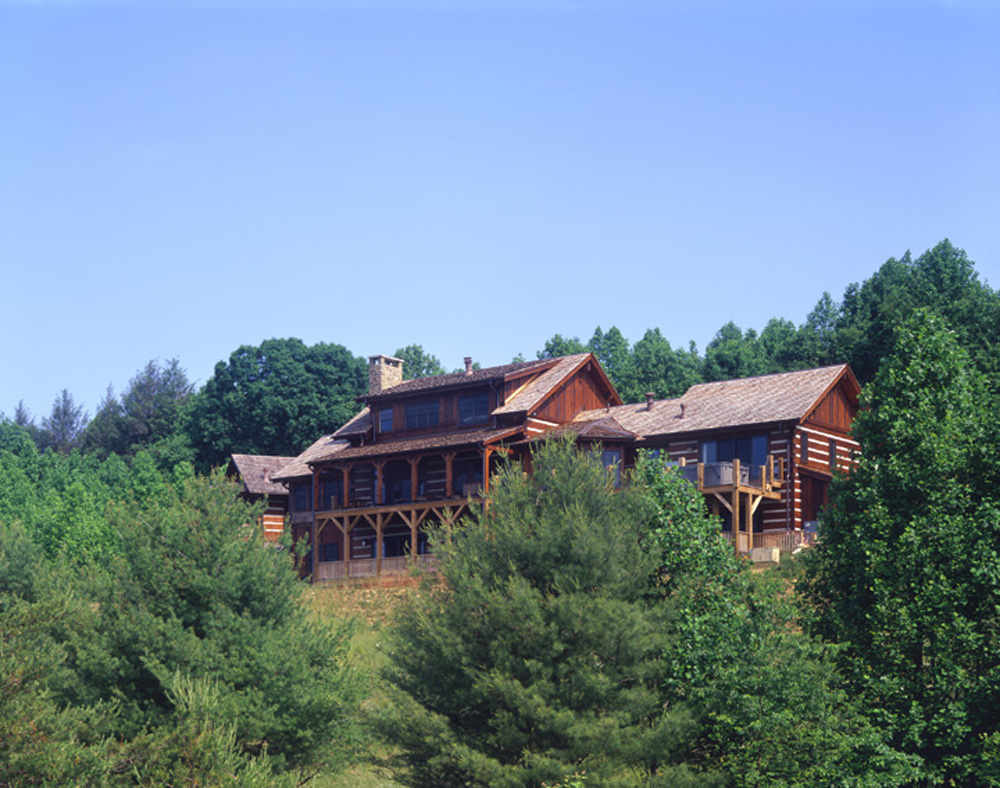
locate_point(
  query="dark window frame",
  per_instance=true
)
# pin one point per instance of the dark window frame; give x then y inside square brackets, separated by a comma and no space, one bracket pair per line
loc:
[473,409]
[423,414]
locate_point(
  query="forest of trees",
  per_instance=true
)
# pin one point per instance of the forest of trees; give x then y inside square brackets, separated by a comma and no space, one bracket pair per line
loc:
[580,637]
[280,396]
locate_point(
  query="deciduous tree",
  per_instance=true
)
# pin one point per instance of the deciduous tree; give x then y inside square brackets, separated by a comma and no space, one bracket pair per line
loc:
[905,576]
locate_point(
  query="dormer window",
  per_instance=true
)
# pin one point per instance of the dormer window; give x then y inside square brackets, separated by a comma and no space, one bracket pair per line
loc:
[473,409]
[385,419]
[422,414]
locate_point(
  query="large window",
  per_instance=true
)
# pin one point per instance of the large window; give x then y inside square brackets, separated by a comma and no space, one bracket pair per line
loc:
[473,409]
[422,414]
[748,449]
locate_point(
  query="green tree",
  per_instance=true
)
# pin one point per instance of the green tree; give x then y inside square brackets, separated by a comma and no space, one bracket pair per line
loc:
[612,350]
[559,345]
[905,577]
[763,696]
[659,368]
[105,434]
[733,354]
[417,363]
[274,399]
[943,280]
[538,655]
[194,591]
[62,428]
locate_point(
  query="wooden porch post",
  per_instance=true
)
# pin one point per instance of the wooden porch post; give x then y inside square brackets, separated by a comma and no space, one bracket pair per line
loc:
[315,551]
[414,478]
[379,492]
[749,516]
[448,480]
[736,505]
[378,542]
[346,470]
[487,452]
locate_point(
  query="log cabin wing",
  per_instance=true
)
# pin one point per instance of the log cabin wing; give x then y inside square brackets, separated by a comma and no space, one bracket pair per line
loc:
[254,473]
[762,449]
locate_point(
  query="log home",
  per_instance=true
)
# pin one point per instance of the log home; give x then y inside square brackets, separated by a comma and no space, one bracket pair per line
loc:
[253,471]
[763,450]
[421,451]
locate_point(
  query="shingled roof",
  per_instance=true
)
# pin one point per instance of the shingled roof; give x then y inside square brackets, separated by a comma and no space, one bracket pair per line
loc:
[358,425]
[784,396]
[457,379]
[530,396]
[257,472]
[298,467]
[407,445]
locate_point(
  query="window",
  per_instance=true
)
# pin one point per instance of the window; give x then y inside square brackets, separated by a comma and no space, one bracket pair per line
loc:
[302,497]
[473,409]
[612,460]
[833,454]
[804,453]
[329,552]
[385,419]
[422,414]
[750,450]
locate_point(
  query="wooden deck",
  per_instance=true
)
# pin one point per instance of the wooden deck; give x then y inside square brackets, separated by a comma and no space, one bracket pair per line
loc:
[739,489]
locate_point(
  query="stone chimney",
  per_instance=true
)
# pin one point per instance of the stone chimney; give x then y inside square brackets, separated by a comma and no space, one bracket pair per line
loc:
[468,365]
[384,372]
[649,400]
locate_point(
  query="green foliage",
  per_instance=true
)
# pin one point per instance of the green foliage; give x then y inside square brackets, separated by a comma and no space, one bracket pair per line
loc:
[942,280]
[62,428]
[194,592]
[733,354]
[537,656]
[659,368]
[906,576]
[274,399]
[612,350]
[417,363]
[559,345]
[681,532]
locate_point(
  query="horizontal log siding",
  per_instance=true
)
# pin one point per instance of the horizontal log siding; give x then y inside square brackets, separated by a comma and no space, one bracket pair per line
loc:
[273,522]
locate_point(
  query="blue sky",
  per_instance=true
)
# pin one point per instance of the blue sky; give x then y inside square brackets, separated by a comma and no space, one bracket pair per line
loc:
[178,179]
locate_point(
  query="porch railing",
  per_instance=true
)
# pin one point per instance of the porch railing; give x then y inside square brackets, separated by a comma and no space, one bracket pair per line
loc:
[785,541]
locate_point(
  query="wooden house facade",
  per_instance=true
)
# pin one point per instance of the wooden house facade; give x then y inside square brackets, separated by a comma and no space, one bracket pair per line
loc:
[422,451]
[763,450]
[253,471]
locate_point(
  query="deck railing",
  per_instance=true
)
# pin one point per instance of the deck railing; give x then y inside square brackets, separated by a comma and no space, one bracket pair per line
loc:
[785,541]
[365,567]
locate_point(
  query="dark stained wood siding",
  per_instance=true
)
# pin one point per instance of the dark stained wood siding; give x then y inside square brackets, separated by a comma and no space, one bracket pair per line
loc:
[448,417]
[835,411]
[583,390]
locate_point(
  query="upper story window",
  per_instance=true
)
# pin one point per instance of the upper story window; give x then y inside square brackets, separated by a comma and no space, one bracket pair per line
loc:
[749,450]
[473,409]
[422,414]
[302,497]
[385,419]
[804,451]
